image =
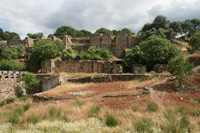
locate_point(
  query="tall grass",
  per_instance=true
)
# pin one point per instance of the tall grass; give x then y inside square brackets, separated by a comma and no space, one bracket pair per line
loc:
[152,107]
[93,112]
[144,125]
[33,118]
[79,102]
[111,121]
[56,114]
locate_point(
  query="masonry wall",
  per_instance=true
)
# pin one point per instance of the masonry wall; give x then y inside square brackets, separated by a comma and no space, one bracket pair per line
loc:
[14,43]
[8,83]
[91,66]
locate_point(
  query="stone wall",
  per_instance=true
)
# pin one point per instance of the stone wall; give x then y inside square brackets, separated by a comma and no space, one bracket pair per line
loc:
[82,40]
[8,83]
[195,59]
[14,43]
[117,45]
[91,66]
[3,42]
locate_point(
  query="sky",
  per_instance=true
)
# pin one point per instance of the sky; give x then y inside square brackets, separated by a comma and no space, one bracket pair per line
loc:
[32,16]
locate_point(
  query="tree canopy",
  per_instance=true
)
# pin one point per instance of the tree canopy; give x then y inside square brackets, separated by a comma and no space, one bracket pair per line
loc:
[67,30]
[45,50]
[194,43]
[69,54]
[35,35]
[155,50]
[161,25]
[9,64]
[8,35]
[180,68]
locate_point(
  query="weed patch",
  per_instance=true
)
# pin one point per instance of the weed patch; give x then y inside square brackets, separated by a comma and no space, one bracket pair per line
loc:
[33,118]
[93,112]
[144,125]
[79,102]
[152,107]
[10,100]
[111,121]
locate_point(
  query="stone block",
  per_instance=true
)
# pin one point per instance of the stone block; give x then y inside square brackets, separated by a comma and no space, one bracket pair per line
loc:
[138,68]
[159,68]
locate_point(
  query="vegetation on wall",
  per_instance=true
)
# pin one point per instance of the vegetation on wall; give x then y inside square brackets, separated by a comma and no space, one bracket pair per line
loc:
[69,54]
[35,35]
[9,64]
[155,50]
[96,54]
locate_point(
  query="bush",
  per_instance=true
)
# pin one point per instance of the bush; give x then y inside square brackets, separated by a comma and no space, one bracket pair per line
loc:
[96,54]
[93,112]
[111,121]
[13,118]
[30,82]
[194,43]
[10,100]
[2,103]
[8,64]
[152,107]
[33,118]
[144,125]
[69,54]
[155,50]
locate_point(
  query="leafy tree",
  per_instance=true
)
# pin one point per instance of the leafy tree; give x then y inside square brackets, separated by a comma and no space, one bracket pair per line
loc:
[190,26]
[69,54]
[30,82]
[35,35]
[161,22]
[9,64]
[8,53]
[155,50]
[194,43]
[60,45]
[126,30]
[96,54]
[20,48]
[103,31]
[66,30]
[45,50]
[180,68]
[176,26]
[86,33]
[50,35]
[8,36]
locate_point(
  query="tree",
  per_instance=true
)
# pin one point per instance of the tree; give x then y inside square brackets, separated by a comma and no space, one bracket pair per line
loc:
[30,82]
[96,54]
[8,53]
[194,43]
[8,36]
[45,50]
[176,26]
[161,22]
[69,54]
[9,64]
[155,50]
[180,68]
[86,33]
[35,35]
[126,31]
[66,30]
[103,31]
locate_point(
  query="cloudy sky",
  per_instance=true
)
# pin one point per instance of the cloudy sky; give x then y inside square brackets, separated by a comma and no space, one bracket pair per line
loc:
[32,16]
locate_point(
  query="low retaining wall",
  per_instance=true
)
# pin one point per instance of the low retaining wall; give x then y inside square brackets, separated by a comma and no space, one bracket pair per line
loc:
[107,78]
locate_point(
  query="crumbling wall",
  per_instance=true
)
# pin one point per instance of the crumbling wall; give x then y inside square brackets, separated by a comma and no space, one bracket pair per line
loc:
[82,40]
[15,43]
[9,83]
[91,66]
[195,59]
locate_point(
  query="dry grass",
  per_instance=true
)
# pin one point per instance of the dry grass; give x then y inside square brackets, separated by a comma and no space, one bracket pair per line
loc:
[66,88]
[75,75]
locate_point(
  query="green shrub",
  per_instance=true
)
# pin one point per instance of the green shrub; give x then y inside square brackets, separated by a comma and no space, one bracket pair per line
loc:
[33,118]
[143,78]
[26,107]
[144,125]
[152,107]
[19,110]
[111,121]
[133,107]
[2,103]
[9,64]
[93,112]
[10,100]
[24,98]
[56,114]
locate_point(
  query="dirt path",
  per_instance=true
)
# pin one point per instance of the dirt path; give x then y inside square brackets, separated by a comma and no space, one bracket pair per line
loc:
[158,96]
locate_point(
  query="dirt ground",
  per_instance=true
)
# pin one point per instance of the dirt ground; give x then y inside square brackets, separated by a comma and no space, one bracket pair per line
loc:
[161,90]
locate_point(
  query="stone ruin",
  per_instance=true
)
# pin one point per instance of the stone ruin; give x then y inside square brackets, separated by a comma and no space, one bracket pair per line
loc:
[10,86]
[159,68]
[91,66]
[139,68]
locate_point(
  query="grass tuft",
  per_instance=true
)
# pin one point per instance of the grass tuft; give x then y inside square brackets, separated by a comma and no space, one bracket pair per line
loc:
[111,121]
[144,125]
[93,112]
[33,118]
[152,107]
[10,100]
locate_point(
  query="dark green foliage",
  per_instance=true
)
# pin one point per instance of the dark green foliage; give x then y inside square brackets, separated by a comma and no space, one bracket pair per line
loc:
[60,45]
[93,112]
[50,35]
[33,118]
[8,53]
[45,50]
[103,31]
[111,121]
[194,43]
[144,125]
[2,103]
[67,30]
[69,54]
[155,50]
[176,26]
[190,26]
[180,67]
[12,65]
[96,54]
[10,100]
[8,35]
[35,35]
[30,82]
[152,107]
